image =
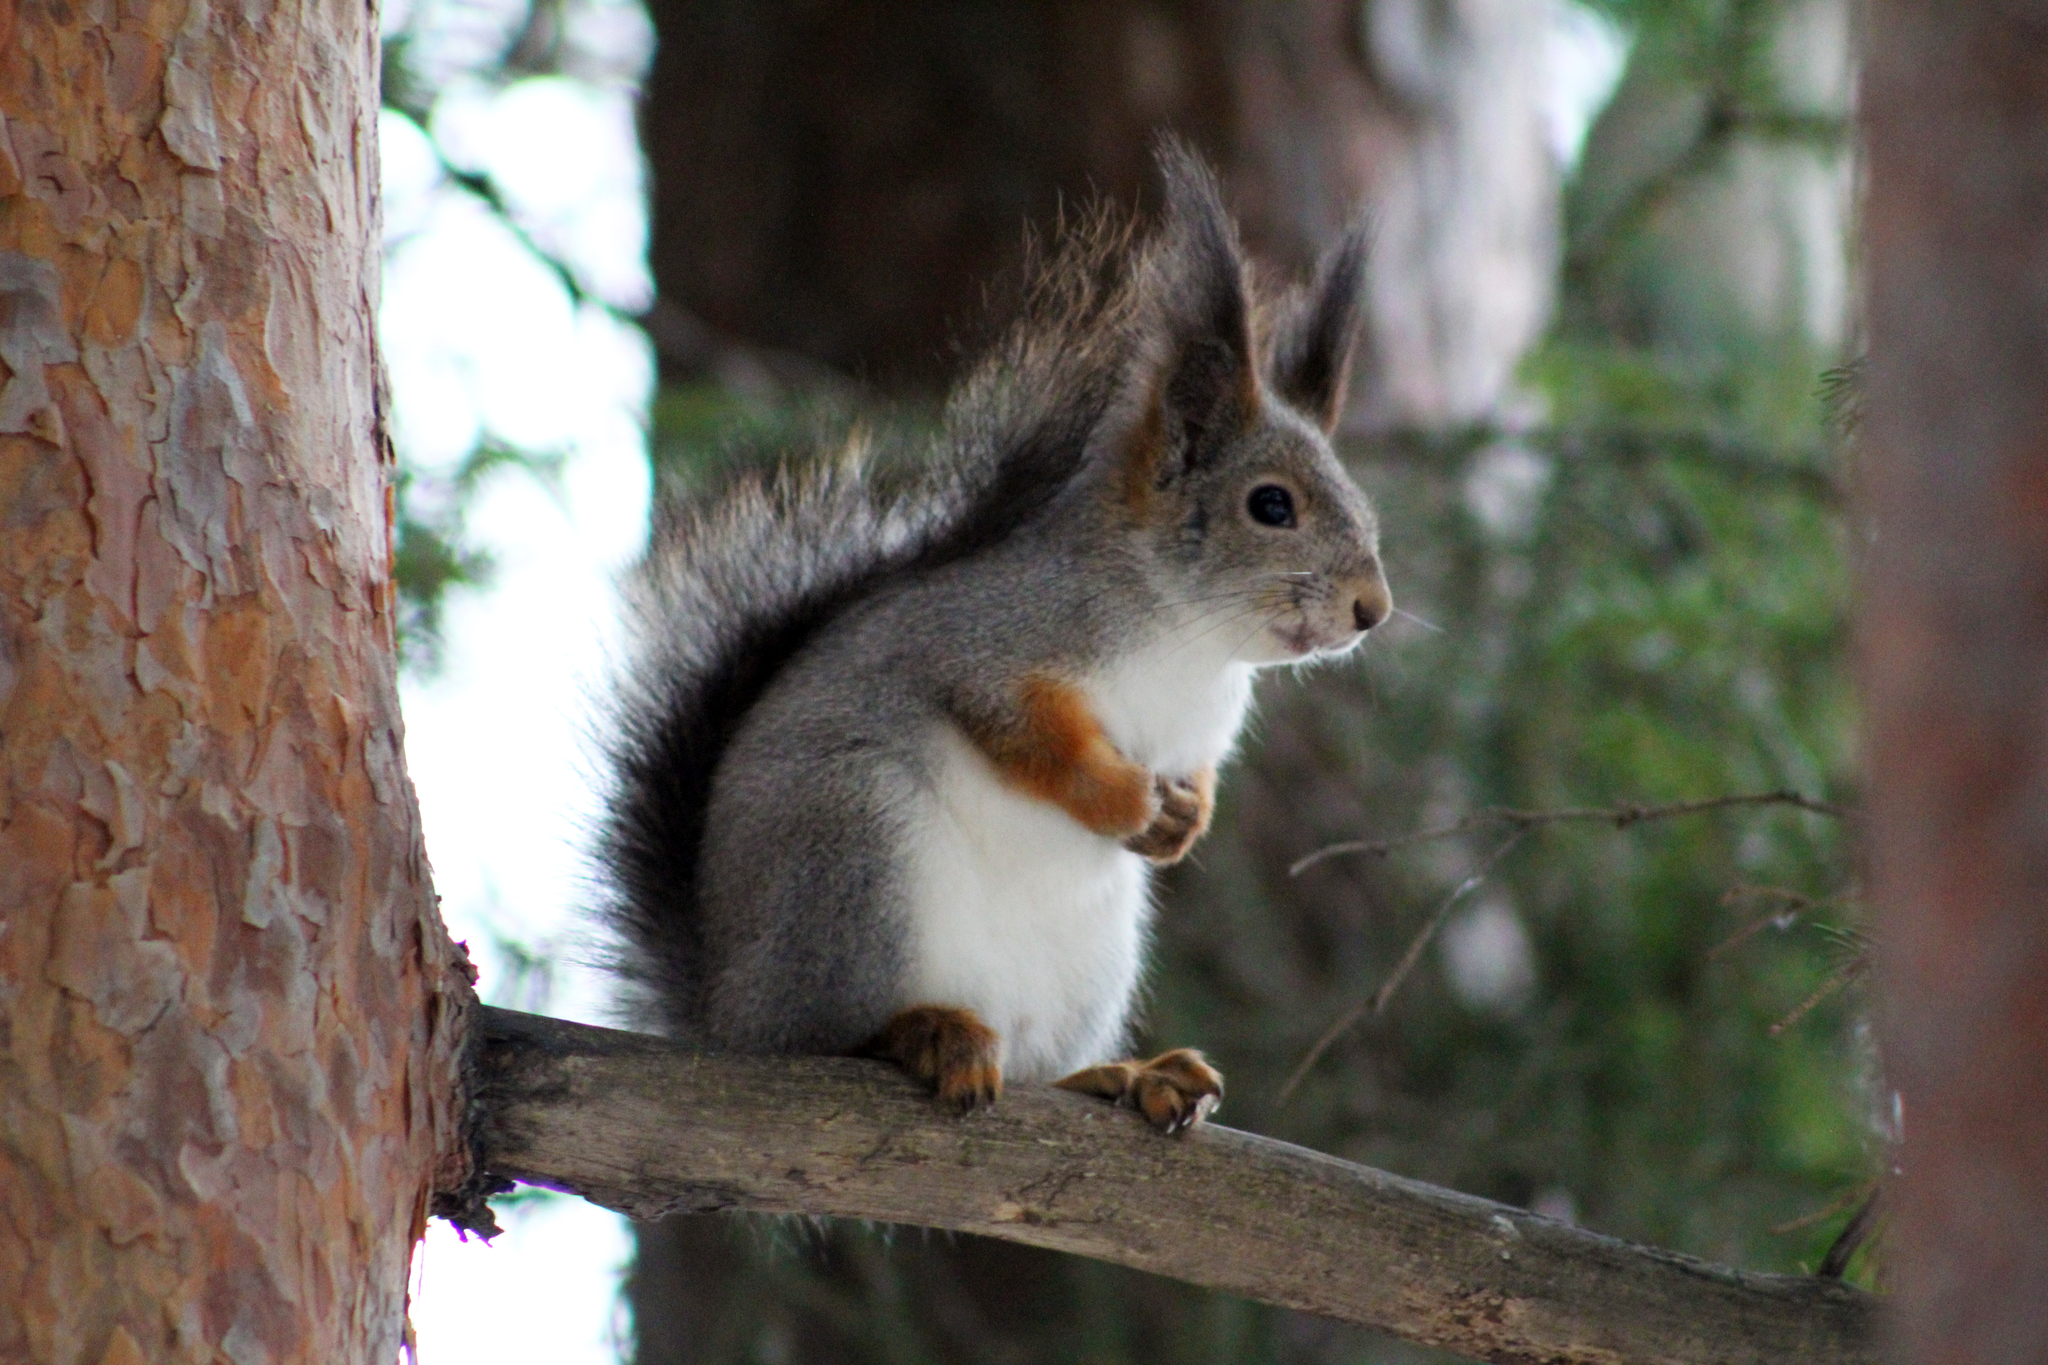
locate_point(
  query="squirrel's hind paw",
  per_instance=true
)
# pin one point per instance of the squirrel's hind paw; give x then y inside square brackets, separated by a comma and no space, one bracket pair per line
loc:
[1174,1091]
[946,1048]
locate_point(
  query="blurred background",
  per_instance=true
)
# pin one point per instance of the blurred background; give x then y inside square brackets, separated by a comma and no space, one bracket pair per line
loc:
[1604,404]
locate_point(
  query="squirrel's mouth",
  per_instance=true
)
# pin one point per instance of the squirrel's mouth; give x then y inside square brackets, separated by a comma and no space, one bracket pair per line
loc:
[1303,641]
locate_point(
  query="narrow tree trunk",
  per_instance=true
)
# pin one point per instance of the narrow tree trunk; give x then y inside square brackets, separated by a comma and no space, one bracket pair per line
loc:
[845,181]
[1955,658]
[227,1004]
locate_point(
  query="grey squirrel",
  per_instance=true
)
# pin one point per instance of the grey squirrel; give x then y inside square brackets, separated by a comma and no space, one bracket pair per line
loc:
[896,750]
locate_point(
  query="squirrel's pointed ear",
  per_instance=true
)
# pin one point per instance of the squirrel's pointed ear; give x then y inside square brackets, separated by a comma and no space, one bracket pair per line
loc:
[1312,342]
[1206,383]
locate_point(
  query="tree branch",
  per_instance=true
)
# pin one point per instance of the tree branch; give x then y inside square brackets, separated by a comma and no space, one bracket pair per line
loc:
[643,1127]
[1621,817]
[1378,1000]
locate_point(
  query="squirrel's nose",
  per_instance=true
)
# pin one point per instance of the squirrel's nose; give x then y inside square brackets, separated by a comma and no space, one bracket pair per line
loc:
[1372,604]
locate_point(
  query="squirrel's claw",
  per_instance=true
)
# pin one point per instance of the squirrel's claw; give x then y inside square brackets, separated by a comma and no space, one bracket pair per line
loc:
[1185,804]
[1174,1091]
[946,1048]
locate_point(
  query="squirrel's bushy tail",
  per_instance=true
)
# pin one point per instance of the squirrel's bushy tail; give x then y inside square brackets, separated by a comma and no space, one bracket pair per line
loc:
[730,589]
[737,581]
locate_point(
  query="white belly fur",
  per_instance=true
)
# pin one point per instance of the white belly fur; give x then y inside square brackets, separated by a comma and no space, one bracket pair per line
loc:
[1026,917]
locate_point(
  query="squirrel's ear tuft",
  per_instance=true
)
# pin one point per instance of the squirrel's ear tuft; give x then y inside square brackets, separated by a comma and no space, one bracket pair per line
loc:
[1312,341]
[1207,383]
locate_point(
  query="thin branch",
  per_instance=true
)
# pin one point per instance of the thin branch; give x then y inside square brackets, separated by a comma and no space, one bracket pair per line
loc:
[1621,817]
[1414,954]
[1795,903]
[1377,1001]
[1588,247]
[1858,1230]
[643,1127]
[1831,983]
[1853,1194]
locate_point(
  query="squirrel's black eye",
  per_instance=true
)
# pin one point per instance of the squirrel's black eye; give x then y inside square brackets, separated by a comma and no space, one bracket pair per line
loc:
[1271,505]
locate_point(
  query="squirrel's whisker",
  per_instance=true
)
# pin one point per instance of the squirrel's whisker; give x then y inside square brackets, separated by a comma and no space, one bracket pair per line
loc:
[1430,626]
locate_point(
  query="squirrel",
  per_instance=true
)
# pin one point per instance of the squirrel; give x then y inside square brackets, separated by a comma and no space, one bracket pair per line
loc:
[896,749]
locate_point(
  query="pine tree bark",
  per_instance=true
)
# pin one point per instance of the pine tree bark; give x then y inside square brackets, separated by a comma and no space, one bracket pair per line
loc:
[227,1003]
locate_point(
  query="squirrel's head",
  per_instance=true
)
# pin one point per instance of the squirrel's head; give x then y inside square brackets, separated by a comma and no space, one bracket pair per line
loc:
[1224,469]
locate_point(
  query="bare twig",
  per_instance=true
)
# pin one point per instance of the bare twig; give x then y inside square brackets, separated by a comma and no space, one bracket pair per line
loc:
[1621,817]
[646,1128]
[1832,982]
[1828,1210]
[1377,1001]
[1795,904]
[1858,1230]
[1752,891]
[1521,822]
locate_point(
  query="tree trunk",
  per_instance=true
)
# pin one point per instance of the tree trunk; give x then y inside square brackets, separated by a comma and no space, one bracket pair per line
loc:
[227,1003]
[844,182]
[1955,658]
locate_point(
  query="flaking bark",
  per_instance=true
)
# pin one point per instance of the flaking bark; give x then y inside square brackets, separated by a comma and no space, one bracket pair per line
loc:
[228,1009]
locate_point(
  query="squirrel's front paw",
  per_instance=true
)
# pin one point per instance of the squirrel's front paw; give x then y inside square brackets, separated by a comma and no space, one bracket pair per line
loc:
[1185,804]
[946,1048]
[1174,1091]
